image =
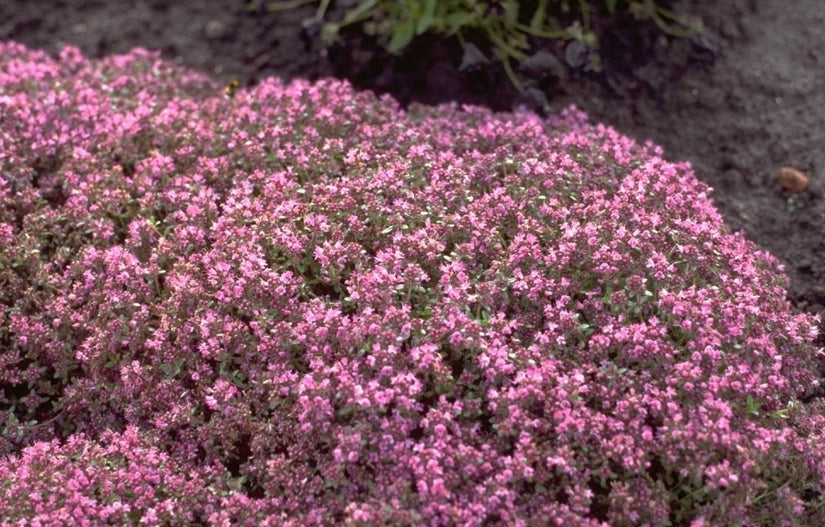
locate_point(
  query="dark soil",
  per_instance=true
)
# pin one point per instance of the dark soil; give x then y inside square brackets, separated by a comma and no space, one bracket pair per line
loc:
[740,102]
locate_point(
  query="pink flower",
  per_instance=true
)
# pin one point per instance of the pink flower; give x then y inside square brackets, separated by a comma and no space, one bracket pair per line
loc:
[303,305]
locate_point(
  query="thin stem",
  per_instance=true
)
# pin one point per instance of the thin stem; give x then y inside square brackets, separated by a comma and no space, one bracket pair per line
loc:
[322,9]
[585,7]
[286,5]
[505,61]
[504,46]
[48,421]
[659,14]
[557,34]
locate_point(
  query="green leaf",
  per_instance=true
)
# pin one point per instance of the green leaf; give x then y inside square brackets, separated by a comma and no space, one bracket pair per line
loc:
[510,12]
[752,406]
[114,361]
[537,21]
[403,35]
[611,6]
[427,17]
[457,21]
[359,12]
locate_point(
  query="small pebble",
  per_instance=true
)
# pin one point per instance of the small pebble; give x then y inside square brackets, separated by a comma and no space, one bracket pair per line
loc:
[214,30]
[704,48]
[576,54]
[541,65]
[534,99]
[472,59]
[792,179]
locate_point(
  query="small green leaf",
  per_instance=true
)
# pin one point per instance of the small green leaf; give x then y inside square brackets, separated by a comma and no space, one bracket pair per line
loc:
[403,35]
[427,17]
[537,21]
[510,12]
[611,6]
[114,361]
[457,21]
[359,12]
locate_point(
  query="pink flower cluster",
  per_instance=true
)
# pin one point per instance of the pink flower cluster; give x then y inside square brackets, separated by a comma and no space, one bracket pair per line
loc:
[302,305]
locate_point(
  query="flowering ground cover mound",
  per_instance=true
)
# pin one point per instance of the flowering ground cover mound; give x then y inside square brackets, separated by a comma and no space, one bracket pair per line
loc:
[301,305]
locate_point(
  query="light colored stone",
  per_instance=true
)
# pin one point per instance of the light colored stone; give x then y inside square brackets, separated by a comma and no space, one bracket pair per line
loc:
[214,30]
[792,179]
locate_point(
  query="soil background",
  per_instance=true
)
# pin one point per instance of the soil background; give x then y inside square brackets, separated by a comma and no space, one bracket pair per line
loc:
[739,102]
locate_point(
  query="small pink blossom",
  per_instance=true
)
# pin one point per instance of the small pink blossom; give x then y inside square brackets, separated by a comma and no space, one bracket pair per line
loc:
[304,305]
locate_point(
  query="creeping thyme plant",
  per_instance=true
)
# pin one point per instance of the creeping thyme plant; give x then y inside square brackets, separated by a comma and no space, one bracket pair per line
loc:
[303,305]
[506,25]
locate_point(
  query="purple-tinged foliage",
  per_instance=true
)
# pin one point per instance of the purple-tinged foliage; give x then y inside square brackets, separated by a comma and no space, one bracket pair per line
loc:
[303,305]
